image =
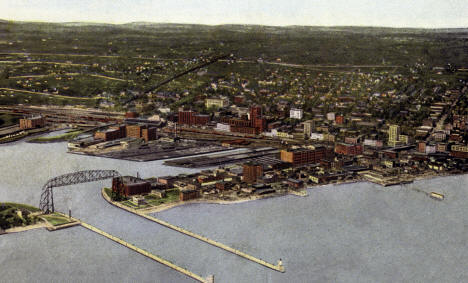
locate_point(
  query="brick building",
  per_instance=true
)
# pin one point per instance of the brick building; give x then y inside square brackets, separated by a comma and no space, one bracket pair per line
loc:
[459,151]
[422,147]
[113,133]
[189,194]
[236,122]
[255,112]
[134,131]
[259,124]
[244,130]
[149,134]
[256,119]
[141,131]
[32,122]
[238,99]
[339,119]
[192,118]
[186,117]
[201,119]
[254,126]
[348,149]
[107,135]
[305,156]
[129,185]
[251,172]
[131,114]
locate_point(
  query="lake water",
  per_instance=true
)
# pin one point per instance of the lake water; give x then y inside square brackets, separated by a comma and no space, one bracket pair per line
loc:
[357,232]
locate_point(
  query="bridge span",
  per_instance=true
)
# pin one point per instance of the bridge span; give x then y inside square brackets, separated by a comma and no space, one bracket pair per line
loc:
[47,197]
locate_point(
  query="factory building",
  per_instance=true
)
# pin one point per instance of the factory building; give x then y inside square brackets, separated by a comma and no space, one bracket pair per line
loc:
[32,122]
[192,118]
[305,156]
[141,131]
[348,149]
[130,185]
[113,133]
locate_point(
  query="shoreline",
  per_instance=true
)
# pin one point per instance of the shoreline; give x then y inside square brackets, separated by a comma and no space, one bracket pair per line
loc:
[18,229]
[302,193]
[168,206]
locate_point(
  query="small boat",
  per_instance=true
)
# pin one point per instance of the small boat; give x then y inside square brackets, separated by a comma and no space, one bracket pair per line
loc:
[436,196]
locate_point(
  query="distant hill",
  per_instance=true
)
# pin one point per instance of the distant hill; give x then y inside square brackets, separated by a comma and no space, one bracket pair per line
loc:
[294,44]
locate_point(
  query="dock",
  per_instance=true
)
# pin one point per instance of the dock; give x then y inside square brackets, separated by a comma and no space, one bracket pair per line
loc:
[147,254]
[264,155]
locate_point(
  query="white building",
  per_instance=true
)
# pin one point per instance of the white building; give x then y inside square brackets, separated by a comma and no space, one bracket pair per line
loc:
[431,149]
[374,143]
[223,127]
[164,110]
[296,113]
[316,137]
[331,116]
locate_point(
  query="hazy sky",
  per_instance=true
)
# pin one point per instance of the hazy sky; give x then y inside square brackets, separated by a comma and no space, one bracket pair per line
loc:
[392,13]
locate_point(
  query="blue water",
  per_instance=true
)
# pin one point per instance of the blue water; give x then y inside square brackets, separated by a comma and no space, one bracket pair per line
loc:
[357,232]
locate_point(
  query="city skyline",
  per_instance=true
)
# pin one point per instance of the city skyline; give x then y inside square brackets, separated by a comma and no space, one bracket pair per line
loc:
[413,14]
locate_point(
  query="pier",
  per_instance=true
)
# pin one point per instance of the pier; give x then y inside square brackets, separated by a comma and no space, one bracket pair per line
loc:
[278,267]
[148,254]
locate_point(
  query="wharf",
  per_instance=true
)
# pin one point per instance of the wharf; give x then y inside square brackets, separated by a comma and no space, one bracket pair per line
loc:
[157,152]
[265,155]
[384,181]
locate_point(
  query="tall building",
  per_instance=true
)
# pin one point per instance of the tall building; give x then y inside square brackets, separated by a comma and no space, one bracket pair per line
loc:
[393,133]
[251,172]
[259,124]
[256,119]
[309,127]
[186,117]
[395,138]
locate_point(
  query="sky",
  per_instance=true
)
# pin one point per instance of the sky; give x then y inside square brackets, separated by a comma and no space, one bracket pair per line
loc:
[388,13]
